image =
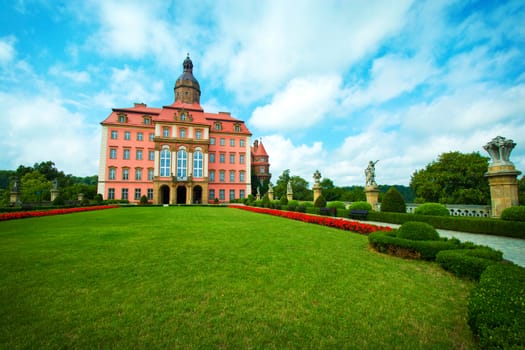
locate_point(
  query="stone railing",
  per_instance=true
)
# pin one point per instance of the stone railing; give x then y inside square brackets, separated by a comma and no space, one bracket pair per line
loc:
[460,209]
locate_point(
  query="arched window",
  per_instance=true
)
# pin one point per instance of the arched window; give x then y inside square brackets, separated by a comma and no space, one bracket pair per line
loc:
[165,161]
[182,159]
[197,164]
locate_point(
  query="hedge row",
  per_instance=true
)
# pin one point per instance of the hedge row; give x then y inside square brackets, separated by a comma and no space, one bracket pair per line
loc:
[468,263]
[496,309]
[488,226]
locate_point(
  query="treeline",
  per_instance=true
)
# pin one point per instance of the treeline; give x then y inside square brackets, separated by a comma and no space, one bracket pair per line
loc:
[35,183]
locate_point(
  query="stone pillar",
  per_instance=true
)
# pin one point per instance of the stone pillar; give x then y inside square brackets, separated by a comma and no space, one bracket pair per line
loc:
[270,194]
[15,198]
[80,197]
[54,194]
[502,176]
[372,195]
[317,186]
[289,191]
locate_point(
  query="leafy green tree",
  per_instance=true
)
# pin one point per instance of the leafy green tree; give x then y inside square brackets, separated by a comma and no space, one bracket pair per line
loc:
[393,202]
[354,194]
[35,187]
[320,202]
[299,186]
[330,191]
[455,178]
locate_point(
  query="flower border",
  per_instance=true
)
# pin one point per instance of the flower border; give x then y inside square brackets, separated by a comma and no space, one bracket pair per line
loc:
[39,213]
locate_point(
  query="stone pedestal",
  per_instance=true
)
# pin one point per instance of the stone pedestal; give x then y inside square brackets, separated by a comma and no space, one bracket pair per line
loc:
[317,191]
[289,196]
[503,187]
[80,197]
[270,195]
[14,198]
[54,194]
[372,195]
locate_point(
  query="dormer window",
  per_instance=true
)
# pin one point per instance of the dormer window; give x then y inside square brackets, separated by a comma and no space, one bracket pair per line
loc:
[183,116]
[122,118]
[237,127]
[147,120]
[218,126]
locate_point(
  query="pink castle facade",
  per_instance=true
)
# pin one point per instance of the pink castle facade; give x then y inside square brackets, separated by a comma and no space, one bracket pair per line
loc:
[177,154]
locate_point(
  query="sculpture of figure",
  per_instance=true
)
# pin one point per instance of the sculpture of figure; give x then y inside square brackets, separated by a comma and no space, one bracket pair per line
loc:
[370,174]
[270,187]
[289,187]
[499,149]
[317,176]
[55,184]
[16,185]
[258,192]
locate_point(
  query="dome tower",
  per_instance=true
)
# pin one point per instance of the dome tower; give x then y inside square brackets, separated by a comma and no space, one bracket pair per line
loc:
[187,88]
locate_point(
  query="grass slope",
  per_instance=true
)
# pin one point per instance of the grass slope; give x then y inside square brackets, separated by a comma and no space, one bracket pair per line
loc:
[183,277]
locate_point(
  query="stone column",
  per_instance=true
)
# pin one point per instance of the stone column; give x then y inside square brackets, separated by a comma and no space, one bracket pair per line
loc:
[317,186]
[15,198]
[270,192]
[502,176]
[54,194]
[372,195]
[289,191]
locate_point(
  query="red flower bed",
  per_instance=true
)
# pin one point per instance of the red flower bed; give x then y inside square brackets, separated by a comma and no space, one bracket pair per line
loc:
[340,223]
[32,214]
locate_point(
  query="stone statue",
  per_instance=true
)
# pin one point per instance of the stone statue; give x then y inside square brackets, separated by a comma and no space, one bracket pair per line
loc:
[370,174]
[289,187]
[55,184]
[317,176]
[270,187]
[499,150]
[16,185]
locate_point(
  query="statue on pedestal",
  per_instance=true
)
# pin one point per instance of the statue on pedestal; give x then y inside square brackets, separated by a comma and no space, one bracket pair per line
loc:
[317,177]
[499,149]
[370,174]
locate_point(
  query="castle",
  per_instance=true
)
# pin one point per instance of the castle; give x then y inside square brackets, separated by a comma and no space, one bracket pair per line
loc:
[178,154]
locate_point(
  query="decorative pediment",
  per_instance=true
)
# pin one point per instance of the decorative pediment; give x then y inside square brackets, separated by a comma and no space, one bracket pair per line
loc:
[182,116]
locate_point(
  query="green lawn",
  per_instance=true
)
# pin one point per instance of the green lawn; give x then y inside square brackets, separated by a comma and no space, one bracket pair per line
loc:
[199,277]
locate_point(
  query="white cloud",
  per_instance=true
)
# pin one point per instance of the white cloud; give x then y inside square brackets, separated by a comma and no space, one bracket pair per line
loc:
[7,50]
[42,129]
[303,103]
[79,77]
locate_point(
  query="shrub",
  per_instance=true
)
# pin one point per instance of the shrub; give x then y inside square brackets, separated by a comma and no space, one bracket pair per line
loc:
[306,204]
[393,201]
[293,202]
[265,201]
[143,200]
[417,231]
[468,262]
[320,202]
[98,199]
[435,209]
[327,211]
[496,308]
[283,201]
[336,205]
[360,206]
[59,201]
[514,214]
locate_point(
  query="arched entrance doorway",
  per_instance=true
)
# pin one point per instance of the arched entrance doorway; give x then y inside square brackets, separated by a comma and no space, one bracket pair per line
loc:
[181,195]
[164,194]
[197,195]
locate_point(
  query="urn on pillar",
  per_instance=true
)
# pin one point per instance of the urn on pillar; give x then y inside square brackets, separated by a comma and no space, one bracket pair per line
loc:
[502,175]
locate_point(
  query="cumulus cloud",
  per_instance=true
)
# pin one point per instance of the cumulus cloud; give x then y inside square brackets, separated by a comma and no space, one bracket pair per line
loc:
[7,49]
[303,103]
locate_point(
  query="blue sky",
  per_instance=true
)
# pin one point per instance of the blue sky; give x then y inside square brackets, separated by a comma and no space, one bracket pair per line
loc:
[327,85]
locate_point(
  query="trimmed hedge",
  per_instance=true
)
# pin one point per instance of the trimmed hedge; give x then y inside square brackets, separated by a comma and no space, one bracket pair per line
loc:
[417,231]
[468,263]
[393,201]
[514,214]
[488,226]
[427,250]
[496,308]
[336,205]
[360,206]
[435,209]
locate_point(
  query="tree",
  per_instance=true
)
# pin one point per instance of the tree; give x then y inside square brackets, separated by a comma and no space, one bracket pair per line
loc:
[330,191]
[393,202]
[35,187]
[455,178]
[299,187]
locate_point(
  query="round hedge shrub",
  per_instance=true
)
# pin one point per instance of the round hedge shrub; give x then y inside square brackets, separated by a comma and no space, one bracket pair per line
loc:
[320,202]
[514,214]
[283,200]
[306,204]
[393,202]
[293,203]
[336,204]
[417,231]
[360,206]
[435,209]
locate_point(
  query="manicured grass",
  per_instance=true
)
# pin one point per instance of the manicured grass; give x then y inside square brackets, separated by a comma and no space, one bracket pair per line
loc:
[185,277]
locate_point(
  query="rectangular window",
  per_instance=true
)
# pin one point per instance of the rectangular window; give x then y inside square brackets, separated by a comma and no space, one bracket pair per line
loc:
[223,142]
[112,173]
[241,176]
[212,157]
[140,136]
[198,134]
[241,194]
[126,154]
[221,176]
[127,135]
[147,121]
[138,174]
[124,193]
[125,174]
[182,133]
[151,155]
[150,194]
[222,157]
[211,195]
[113,153]
[212,176]
[241,158]
[137,193]
[241,142]
[232,158]
[165,132]
[232,195]
[221,195]
[232,142]
[212,140]
[139,154]
[151,136]
[232,176]
[111,193]
[114,134]
[262,170]
[150,174]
